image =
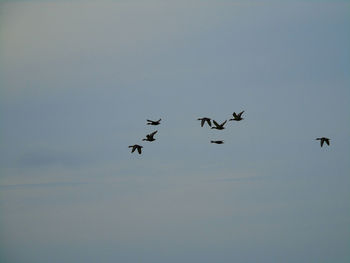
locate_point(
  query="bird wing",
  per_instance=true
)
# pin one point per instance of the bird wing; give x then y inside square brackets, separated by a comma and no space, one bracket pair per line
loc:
[133,148]
[234,115]
[240,114]
[202,122]
[216,124]
[153,133]
[327,141]
[322,141]
[139,149]
[150,121]
[209,122]
[222,124]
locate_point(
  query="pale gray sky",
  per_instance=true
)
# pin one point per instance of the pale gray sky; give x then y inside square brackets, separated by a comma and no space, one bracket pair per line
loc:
[79,79]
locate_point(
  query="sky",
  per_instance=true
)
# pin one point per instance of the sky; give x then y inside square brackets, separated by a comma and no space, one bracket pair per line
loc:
[78,79]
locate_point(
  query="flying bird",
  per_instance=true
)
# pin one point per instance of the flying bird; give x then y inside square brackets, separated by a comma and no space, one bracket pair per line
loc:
[203,120]
[150,122]
[149,137]
[237,117]
[217,142]
[219,126]
[323,139]
[136,146]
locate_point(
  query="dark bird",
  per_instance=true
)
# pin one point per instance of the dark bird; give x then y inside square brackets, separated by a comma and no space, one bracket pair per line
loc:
[323,139]
[149,137]
[136,146]
[217,142]
[237,117]
[150,122]
[203,120]
[219,126]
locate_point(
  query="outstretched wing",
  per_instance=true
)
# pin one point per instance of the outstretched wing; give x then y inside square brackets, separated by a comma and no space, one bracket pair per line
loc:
[133,148]
[202,122]
[322,141]
[153,133]
[150,121]
[240,114]
[209,122]
[222,124]
[327,141]
[234,115]
[139,150]
[216,124]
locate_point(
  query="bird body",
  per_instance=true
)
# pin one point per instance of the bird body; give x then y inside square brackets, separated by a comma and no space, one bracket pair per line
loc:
[203,120]
[217,142]
[136,146]
[323,139]
[150,122]
[219,126]
[237,117]
[149,137]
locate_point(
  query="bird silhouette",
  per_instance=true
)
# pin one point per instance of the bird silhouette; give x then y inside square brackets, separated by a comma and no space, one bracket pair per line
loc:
[219,126]
[149,137]
[150,122]
[237,117]
[136,146]
[217,142]
[323,139]
[203,120]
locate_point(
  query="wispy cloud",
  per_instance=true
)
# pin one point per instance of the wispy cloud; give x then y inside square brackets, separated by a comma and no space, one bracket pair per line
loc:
[49,158]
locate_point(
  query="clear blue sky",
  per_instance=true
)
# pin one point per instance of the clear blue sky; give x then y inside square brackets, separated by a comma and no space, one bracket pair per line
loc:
[78,79]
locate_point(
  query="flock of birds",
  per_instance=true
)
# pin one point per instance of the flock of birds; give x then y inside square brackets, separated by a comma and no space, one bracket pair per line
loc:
[149,137]
[236,117]
[209,121]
